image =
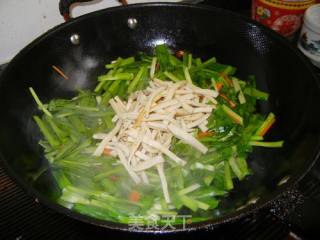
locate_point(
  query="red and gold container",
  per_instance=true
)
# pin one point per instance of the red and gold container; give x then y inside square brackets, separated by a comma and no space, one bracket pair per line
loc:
[285,17]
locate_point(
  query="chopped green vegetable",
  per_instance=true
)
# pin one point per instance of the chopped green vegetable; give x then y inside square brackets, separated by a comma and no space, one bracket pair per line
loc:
[52,140]
[253,92]
[187,74]
[233,115]
[120,63]
[39,103]
[117,76]
[190,203]
[189,189]
[172,77]
[227,177]
[136,79]
[153,67]
[267,124]
[267,144]
[101,187]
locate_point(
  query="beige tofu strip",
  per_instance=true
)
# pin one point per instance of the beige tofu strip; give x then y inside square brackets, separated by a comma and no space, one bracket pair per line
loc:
[124,162]
[164,183]
[187,138]
[164,150]
[107,139]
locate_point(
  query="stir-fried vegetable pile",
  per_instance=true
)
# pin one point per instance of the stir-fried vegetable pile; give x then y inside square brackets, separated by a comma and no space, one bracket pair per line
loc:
[159,136]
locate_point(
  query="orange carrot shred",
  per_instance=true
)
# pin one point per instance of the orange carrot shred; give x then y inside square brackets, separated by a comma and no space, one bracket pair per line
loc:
[106,151]
[60,72]
[236,121]
[205,134]
[267,128]
[134,196]
[225,76]
[219,86]
[230,102]
[223,96]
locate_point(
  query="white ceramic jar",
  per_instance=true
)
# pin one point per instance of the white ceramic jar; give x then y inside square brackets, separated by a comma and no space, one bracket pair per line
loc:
[309,40]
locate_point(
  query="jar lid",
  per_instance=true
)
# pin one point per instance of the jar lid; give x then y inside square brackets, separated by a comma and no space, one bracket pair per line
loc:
[312,17]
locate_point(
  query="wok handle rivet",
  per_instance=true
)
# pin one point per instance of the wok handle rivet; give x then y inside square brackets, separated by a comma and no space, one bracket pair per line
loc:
[75,39]
[132,23]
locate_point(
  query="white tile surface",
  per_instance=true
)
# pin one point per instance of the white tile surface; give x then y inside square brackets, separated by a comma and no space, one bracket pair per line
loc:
[21,21]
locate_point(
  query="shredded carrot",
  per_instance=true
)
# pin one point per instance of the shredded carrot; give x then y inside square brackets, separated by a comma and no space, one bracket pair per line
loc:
[230,102]
[60,72]
[219,86]
[225,77]
[224,96]
[107,151]
[267,128]
[134,196]
[205,134]
[237,121]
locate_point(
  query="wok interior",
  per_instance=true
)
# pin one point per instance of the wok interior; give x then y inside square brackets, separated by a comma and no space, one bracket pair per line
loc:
[105,36]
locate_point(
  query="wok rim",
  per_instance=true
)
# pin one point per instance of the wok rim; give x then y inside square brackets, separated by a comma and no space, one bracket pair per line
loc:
[203,225]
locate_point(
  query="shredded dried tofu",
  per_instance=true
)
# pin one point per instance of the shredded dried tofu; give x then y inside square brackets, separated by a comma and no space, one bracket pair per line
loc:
[146,124]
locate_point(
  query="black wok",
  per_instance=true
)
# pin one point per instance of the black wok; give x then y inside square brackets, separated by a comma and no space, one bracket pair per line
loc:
[279,69]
